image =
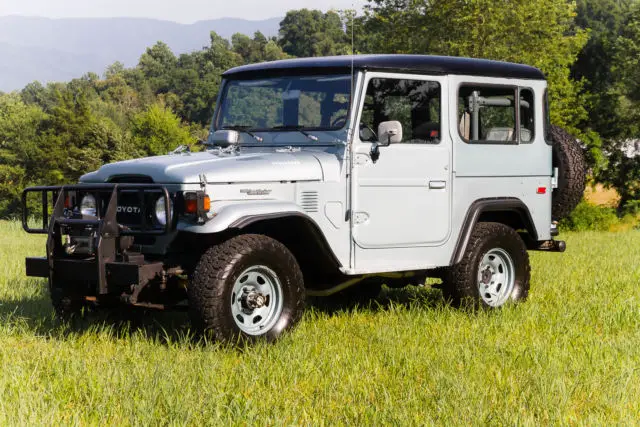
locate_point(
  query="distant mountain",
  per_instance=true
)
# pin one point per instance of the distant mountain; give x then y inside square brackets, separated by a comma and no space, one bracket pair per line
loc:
[60,49]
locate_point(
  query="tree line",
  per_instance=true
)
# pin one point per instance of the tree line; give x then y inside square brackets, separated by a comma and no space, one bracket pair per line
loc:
[589,50]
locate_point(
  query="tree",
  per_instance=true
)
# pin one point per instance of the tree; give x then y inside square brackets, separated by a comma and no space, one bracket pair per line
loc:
[623,171]
[20,126]
[157,65]
[307,32]
[541,33]
[626,70]
[605,20]
[258,49]
[157,131]
[196,78]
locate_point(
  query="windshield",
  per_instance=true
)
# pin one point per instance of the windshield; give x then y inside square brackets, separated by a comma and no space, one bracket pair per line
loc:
[285,104]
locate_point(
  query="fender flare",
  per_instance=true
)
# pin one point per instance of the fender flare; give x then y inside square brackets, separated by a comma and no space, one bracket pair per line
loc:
[242,215]
[497,204]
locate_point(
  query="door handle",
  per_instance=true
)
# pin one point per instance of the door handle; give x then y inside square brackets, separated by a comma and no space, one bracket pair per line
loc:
[437,185]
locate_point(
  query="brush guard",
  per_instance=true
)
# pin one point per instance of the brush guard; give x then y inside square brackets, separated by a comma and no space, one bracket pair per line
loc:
[111,266]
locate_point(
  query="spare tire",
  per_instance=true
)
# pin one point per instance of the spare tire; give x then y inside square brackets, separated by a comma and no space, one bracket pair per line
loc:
[569,159]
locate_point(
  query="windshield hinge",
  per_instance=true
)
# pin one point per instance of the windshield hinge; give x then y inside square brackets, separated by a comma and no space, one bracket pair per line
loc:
[203,180]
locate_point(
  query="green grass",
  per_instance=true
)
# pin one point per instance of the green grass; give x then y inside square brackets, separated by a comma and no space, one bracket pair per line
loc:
[570,354]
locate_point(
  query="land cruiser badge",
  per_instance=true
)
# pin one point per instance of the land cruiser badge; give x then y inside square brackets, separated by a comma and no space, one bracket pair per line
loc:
[255,192]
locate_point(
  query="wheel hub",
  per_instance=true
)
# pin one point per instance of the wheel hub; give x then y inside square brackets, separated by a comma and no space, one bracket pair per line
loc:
[487,274]
[256,300]
[496,277]
[251,299]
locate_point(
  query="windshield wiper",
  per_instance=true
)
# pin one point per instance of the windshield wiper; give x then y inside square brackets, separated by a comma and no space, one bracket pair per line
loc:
[296,128]
[244,129]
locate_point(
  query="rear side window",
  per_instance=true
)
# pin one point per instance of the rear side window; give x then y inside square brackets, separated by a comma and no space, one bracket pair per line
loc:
[490,114]
[527,116]
[547,118]
[487,114]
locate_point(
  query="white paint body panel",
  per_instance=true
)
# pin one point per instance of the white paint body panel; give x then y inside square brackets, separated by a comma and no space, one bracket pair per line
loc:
[403,212]
[394,197]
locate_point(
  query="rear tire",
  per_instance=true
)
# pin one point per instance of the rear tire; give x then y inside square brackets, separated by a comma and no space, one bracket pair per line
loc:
[494,269]
[249,287]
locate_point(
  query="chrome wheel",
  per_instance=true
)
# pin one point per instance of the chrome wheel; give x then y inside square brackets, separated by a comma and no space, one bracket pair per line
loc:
[496,277]
[256,300]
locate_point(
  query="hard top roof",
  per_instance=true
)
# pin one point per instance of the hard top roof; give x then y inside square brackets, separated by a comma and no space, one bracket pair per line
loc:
[422,64]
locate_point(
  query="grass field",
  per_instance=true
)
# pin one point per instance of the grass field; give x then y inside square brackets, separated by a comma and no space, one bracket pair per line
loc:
[570,354]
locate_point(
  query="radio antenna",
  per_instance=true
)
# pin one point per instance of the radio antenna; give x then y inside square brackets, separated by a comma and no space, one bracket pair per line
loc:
[353,49]
[352,15]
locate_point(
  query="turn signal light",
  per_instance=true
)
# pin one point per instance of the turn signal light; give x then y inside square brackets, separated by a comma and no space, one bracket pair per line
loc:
[542,190]
[191,203]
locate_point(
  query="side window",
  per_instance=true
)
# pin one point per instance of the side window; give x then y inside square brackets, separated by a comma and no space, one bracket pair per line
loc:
[413,103]
[547,118]
[527,116]
[487,114]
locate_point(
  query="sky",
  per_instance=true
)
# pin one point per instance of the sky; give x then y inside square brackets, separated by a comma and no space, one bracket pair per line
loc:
[184,11]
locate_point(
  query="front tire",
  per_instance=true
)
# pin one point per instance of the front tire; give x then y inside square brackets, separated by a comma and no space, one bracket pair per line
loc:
[248,287]
[494,270]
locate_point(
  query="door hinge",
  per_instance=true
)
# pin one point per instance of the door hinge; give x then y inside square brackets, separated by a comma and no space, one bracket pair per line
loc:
[554,178]
[361,159]
[360,217]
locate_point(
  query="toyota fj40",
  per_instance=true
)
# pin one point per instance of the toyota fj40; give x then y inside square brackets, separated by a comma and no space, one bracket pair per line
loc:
[322,176]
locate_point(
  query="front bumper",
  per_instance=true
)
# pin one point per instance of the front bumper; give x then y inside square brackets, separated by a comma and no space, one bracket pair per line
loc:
[119,275]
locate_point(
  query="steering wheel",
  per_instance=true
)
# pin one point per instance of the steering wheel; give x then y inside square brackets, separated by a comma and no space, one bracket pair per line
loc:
[372,134]
[339,121]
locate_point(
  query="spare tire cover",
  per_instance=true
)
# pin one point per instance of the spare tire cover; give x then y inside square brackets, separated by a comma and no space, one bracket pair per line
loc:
[569,159]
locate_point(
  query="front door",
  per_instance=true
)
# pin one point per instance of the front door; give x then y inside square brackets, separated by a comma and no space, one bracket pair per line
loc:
[402,198]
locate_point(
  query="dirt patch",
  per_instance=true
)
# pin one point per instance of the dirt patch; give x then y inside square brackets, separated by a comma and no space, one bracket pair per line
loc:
[601,196]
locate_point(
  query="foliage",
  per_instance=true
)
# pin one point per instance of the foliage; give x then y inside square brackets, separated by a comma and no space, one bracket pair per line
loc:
[313,33]
[19,147]
[626,70]
[157,131]
[257,49]
[605,20]
[623,145]
[588,217]
[541,33]
[54,133]
[623,173]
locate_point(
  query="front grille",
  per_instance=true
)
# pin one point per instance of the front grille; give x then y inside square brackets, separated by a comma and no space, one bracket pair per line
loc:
[130,210]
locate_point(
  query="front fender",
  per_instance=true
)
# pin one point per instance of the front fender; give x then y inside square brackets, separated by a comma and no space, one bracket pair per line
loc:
[240,214]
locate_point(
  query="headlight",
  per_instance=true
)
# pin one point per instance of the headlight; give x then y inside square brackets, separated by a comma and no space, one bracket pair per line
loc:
[88,205]
[161,214]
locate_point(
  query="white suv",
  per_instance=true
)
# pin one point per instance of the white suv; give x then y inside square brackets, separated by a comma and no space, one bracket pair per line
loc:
[324,176]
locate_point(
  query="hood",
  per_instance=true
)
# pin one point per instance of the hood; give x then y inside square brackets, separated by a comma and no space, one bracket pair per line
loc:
[249,167]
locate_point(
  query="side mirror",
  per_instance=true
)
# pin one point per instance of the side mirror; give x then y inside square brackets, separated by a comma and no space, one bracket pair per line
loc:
[225,137]
[389,132]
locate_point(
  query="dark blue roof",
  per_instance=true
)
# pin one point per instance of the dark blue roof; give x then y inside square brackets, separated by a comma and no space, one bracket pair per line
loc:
[422,64]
